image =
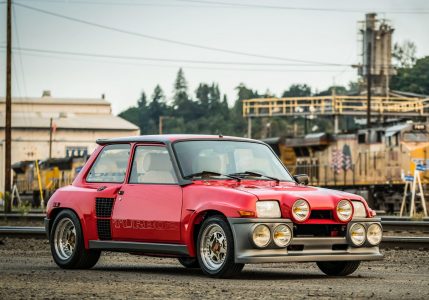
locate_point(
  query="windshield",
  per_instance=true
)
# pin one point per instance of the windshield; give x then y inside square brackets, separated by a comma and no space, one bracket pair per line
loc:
[229,157]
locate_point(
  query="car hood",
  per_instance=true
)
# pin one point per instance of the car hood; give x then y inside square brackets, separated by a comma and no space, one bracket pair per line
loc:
[287,194]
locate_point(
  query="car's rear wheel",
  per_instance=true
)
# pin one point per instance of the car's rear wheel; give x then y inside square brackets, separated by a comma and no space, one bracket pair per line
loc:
[215,248]
[338,268]
[189,262]
[67,245]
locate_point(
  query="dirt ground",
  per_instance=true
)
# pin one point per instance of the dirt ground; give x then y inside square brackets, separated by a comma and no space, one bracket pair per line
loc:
[28,271]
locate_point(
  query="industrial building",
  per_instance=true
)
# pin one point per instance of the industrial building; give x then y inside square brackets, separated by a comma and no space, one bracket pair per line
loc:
[58,127]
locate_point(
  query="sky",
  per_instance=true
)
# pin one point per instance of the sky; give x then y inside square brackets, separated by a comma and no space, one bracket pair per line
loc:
[262,44]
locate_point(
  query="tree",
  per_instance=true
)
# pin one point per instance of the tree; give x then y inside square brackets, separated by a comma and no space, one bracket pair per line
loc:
[297,90]
[183,106]
[413,79]
[157,107]
[404,54]
[339,90]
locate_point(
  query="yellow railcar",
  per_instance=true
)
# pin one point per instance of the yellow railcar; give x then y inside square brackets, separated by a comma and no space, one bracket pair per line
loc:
[370,162]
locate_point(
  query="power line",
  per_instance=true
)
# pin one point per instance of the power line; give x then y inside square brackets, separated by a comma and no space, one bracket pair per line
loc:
[318,9]
[122,3]
[142,35]
[222,4]
[179,66]
[210,62]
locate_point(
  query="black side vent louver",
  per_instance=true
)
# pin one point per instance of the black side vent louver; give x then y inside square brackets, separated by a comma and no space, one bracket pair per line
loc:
[103,207]
[103,228]
[103,211]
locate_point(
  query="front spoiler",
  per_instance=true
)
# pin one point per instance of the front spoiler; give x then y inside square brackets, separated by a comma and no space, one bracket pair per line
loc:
[312,249]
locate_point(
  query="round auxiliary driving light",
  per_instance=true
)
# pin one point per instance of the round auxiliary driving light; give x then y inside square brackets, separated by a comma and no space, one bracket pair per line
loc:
[282,235]
[261,236]
[357,234]
[374,234]
[344,210]
[300,210]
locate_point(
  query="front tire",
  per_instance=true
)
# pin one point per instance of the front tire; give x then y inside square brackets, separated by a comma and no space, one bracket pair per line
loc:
[67,245]
[338,268]
[215,249]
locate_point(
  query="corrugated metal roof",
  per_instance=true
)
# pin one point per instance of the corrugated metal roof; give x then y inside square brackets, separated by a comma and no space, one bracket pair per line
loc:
[396,128]
[52,100]
[72,121]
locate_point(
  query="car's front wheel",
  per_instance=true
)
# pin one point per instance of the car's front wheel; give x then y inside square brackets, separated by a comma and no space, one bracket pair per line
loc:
[215,248]
[67,245]
[338,268]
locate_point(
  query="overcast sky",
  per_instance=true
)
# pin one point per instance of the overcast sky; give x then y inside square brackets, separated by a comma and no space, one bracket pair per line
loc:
[324,31]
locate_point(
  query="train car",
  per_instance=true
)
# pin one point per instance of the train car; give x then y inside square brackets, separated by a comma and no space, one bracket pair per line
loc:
[54,173]
[371,162]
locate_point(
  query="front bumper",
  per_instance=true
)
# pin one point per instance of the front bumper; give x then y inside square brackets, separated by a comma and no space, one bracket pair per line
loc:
[301,249]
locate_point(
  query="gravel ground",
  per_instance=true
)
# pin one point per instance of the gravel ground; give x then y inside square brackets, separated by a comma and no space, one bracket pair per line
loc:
[28,271]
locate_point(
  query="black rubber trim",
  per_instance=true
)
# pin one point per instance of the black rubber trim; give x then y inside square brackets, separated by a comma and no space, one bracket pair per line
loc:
[154,248]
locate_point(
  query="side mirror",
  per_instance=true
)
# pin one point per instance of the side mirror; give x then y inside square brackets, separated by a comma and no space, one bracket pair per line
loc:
[302,179]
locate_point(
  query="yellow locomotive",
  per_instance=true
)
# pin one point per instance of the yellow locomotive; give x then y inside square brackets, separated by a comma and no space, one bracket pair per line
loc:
[54,173]
[370,162]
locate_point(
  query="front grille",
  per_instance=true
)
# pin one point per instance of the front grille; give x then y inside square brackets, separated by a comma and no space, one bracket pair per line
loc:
[103,228]
[103,207]
[321,214]
[319,230]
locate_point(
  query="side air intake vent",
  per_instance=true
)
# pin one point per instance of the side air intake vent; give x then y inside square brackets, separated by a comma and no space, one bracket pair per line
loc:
[103,207]
[103,228]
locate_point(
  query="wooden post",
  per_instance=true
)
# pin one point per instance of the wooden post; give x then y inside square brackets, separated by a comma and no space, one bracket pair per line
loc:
[8,125]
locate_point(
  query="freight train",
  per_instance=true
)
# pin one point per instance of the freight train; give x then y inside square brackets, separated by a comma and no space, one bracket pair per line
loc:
[371,162]
[54,173]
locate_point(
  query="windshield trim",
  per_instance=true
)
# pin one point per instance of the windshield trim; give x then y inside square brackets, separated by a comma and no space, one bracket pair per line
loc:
[243,140]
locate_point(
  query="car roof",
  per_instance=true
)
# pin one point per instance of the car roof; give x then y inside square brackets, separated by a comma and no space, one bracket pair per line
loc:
[169,138]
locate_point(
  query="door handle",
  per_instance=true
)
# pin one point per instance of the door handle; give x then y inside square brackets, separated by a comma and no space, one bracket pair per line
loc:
[120,192]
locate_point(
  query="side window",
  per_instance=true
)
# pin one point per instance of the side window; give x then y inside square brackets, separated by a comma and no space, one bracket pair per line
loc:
[111,164]
[152,164]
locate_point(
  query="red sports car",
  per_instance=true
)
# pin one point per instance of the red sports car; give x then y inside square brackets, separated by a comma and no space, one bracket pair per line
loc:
[214,202]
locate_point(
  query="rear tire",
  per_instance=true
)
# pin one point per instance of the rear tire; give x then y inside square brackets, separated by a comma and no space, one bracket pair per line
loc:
[67,244]
[189,262]
[215,249]
[338,268]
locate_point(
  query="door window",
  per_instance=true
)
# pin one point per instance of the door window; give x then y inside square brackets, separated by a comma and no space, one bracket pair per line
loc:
[111,164]
[152,164]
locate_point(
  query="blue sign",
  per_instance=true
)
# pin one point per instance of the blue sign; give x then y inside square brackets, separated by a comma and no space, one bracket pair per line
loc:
[408,178]
[421,168]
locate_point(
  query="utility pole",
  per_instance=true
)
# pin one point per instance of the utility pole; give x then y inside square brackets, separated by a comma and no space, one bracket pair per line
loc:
[8,125]
[368,85]
[50,138]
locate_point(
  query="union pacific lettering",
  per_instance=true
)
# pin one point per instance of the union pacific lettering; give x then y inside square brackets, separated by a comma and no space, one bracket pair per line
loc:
[141,224]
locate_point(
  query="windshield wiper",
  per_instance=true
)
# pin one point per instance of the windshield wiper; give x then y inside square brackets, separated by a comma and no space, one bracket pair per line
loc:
[254,174]
[210,174]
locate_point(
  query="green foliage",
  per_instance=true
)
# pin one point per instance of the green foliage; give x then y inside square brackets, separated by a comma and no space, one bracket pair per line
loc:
[404,54]
[297,90]
[413,79]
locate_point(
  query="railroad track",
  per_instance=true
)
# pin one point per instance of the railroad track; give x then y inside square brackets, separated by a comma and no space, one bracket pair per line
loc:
[402,242]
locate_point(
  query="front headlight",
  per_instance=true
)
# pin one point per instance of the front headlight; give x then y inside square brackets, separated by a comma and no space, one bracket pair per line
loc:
[344,210]
[300,210]
[282,235]
[357,234]
[374,234]
[261,236]
[359,209]
[268,209]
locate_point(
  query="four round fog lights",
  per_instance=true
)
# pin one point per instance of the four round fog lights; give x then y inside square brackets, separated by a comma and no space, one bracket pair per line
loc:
[374,234]
[357,234]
